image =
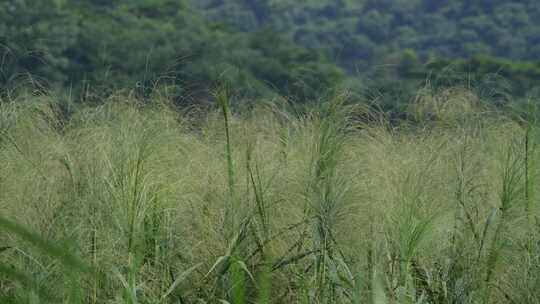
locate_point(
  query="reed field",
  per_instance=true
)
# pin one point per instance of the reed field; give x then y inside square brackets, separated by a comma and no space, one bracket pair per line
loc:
[132,202]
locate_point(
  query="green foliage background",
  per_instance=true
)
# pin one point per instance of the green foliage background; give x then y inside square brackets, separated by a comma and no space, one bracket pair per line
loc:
[300,49]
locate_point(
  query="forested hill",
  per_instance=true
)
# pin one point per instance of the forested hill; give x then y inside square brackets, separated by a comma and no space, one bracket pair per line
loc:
[294,48]
[357,32]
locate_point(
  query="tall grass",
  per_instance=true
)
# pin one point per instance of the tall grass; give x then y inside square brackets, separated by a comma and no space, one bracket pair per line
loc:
[134,203]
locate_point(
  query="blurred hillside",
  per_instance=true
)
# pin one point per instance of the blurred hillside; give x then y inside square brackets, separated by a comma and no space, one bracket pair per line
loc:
[382,49]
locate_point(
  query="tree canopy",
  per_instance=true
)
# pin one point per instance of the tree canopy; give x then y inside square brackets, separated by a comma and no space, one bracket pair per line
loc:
[295,48]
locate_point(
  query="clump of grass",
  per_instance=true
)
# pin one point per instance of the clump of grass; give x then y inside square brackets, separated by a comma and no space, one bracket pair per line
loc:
[268,206]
